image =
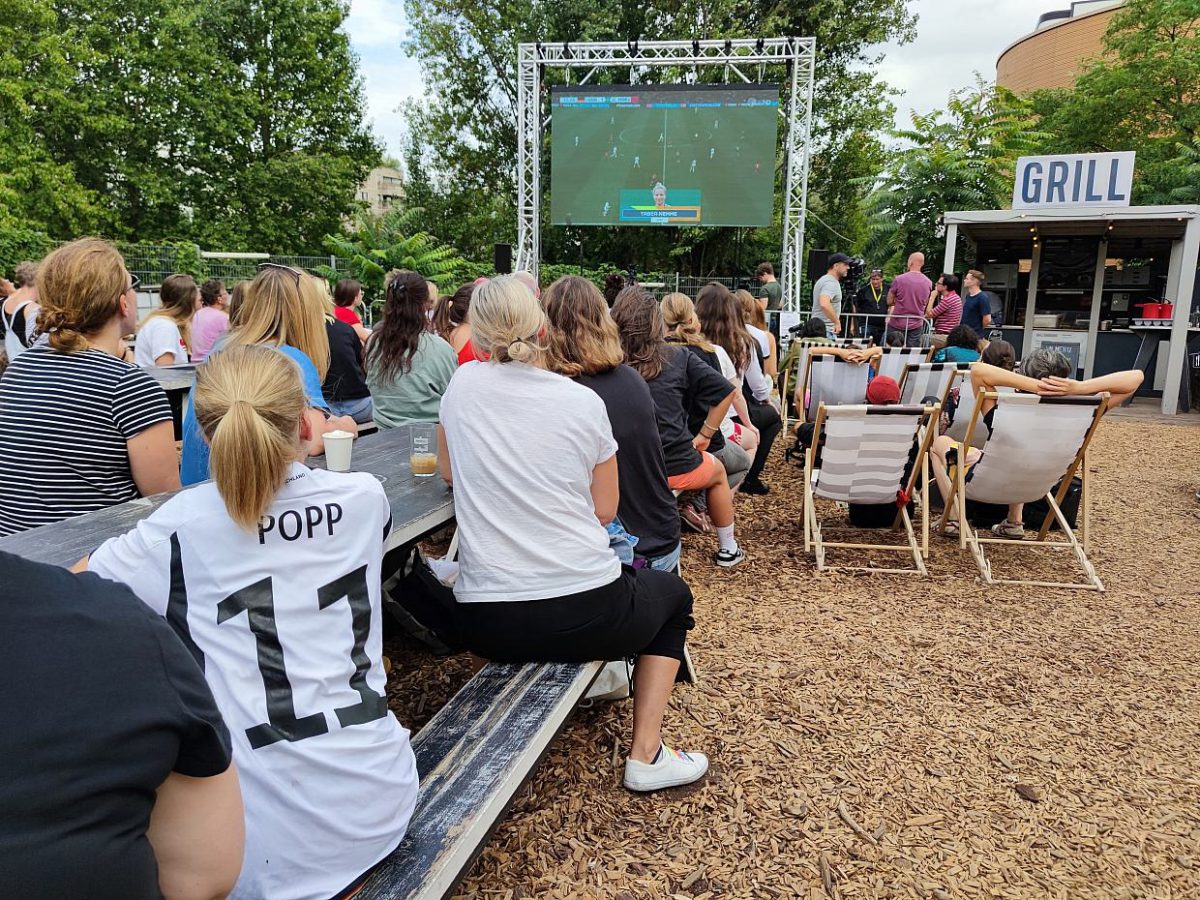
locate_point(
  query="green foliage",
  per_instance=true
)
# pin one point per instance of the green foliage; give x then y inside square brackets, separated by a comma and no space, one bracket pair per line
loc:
[379,244]
[468,51]
[233,123]
[958,160]
[1140,96]
[18,244]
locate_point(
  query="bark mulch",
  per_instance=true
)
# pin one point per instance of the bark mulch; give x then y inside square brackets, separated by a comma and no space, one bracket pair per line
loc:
[892,736]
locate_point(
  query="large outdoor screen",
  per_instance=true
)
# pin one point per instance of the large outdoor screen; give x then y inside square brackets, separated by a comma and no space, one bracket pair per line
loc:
[676,154]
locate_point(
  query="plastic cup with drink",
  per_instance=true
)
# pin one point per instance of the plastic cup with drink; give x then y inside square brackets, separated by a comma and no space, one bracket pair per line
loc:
[339,446]
[423,456]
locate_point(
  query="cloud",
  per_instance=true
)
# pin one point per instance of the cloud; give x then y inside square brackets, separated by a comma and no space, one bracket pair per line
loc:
[377,29]
[955,39]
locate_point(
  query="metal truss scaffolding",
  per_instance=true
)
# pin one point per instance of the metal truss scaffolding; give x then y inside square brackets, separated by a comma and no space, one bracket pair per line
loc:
[734,56]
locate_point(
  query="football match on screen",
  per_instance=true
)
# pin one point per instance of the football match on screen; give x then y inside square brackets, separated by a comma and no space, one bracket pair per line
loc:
[663,154]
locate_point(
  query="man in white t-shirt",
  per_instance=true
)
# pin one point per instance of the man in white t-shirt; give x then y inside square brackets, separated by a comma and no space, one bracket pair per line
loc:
[286,622]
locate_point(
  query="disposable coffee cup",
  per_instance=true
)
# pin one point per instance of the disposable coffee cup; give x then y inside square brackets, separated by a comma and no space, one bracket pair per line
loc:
[339,445]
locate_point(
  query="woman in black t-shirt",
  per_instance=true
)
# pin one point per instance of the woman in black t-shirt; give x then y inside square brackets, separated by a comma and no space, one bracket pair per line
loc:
[345,385]
[584,345]
[677,379]
[120,786]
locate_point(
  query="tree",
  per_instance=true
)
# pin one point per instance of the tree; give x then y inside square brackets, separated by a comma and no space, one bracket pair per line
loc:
[379,244]
[468,52]
[957,160]
[1139,96]
[36,80]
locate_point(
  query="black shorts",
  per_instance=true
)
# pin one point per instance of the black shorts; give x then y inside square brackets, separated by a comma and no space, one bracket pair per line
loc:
[643,611]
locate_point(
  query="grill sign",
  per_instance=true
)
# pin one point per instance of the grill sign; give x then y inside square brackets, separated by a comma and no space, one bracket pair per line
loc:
[1085,179]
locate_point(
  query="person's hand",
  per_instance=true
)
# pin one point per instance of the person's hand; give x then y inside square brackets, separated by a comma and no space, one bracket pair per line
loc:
[341,423]
[700,442]
[857,356]
[1054,386]
[837,327]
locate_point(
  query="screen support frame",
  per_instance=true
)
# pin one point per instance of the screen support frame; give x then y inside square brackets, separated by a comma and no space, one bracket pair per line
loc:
[798,54]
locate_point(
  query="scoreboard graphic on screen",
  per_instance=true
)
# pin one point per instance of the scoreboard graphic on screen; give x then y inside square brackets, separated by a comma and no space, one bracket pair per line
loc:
[657,155]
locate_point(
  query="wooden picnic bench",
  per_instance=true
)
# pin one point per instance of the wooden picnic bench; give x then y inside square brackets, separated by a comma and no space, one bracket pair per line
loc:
[475,754]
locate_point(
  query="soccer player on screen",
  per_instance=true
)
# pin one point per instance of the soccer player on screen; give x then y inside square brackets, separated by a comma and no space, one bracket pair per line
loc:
[660,195]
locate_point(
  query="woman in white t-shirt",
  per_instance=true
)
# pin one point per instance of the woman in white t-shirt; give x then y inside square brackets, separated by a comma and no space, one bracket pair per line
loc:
[270,573]
[537,580]
[163,338]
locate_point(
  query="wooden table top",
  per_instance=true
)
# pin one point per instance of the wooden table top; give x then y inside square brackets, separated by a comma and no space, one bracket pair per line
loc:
[419,506]
[173,378]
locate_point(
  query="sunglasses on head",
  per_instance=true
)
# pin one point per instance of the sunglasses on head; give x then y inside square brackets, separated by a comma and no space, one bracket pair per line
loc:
[134,282]
[296,273]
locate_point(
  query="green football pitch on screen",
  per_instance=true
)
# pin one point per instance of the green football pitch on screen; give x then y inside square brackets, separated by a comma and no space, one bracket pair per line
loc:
[663,154]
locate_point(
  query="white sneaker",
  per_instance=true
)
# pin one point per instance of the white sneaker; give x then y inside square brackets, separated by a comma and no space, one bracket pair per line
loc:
[728,558]
[669,769]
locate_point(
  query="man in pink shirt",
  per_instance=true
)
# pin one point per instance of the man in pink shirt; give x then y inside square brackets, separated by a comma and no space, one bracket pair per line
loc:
[944,307]
[211,321]
[906,302]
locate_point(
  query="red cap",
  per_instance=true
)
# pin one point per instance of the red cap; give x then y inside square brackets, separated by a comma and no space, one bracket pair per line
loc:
[883,390]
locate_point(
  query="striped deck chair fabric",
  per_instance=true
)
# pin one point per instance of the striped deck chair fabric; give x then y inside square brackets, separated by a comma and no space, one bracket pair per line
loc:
[923,380]
[1034,440]
[1036,443]
[894,360]
[835,382]
[965,410]
[865,453]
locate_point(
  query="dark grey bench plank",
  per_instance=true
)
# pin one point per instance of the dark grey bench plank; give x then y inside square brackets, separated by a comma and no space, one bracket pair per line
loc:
[173,378]
[473,757]
[419,506]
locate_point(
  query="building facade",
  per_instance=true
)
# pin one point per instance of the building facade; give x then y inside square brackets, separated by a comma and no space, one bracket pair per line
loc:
[1054,54]
[383,188]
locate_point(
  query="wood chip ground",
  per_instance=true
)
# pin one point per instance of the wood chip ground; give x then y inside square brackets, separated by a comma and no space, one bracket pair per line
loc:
[891,736]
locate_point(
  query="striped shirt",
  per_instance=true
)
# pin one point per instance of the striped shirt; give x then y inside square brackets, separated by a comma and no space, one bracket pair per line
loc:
[65,420]
[947,313]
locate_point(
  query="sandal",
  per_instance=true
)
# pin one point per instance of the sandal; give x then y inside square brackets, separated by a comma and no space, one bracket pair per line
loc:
[949,531]
[1009,529]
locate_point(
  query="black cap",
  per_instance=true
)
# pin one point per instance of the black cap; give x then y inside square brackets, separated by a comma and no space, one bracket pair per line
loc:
[838,257]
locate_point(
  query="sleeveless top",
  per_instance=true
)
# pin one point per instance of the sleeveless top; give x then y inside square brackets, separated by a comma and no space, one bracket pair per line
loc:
[15,339]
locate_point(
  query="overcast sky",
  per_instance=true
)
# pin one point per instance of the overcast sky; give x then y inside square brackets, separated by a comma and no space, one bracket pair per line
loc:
[954,39]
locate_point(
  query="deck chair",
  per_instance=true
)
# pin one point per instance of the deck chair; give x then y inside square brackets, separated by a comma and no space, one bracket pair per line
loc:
[921,380]
[794,371]
[967,402]
[861,343]
[894,360]
[834,382]
[862,461]
[1036,443]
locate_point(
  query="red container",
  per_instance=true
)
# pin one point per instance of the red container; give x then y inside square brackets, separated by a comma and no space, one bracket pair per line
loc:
[1149,310]
[1166,310]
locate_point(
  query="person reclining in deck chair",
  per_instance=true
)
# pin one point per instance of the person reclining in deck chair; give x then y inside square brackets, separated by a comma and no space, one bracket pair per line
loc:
[962,346]
[270,575]
[1044,372]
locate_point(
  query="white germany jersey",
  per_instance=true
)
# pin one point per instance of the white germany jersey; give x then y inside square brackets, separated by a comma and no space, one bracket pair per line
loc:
[286,621]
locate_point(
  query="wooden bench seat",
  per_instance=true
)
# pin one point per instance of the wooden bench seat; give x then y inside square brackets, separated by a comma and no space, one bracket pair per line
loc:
[473,757]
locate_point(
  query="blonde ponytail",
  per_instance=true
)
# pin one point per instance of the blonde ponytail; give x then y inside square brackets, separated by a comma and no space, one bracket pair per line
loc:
[249,400]
[507,322]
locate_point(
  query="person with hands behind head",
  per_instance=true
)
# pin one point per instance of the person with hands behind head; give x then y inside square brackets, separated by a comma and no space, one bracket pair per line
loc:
[1044,372]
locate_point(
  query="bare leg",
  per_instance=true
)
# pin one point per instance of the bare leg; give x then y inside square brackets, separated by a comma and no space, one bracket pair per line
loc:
[937,459]
[749,441]
[1016,513]
[720,499]
[653,678]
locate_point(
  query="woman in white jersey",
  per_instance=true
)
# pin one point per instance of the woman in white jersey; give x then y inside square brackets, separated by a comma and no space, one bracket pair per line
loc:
[533,463]
[163,339]
[270,573]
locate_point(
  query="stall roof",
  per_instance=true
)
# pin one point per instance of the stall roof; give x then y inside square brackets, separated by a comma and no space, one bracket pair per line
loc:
[1072,221]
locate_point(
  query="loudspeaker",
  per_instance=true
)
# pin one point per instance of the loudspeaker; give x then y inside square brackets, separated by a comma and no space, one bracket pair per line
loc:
[818,263]
[503,259]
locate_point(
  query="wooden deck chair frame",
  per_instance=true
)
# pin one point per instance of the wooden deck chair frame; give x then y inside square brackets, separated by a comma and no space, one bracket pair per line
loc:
[814,532]
[800,370]
[969,537]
